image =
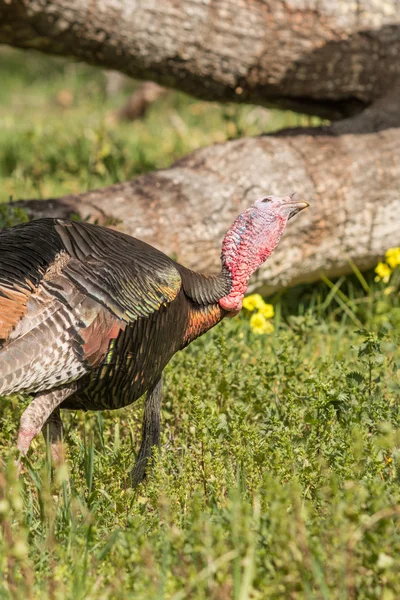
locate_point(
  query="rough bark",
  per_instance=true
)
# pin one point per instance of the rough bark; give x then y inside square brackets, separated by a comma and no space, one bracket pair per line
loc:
[320,56]
[351,181]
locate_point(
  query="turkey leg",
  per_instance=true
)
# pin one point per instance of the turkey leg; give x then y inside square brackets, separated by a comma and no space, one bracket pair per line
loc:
[53,433]
[150,432]
[38,412]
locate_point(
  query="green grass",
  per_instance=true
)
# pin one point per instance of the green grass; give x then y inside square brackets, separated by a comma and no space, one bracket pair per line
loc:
[49,147]
[279,471]
[278,453]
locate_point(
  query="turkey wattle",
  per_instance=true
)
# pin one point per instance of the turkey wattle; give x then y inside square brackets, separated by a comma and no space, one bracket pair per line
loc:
[89,317]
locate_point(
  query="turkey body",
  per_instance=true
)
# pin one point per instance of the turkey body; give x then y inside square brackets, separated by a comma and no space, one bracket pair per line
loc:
[95,312]
[89,317]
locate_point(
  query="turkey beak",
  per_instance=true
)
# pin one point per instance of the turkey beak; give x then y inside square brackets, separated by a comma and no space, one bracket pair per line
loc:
[295,206]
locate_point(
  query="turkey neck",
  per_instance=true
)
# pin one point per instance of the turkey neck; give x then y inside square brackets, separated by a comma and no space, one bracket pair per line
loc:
[205,289]
[203,293]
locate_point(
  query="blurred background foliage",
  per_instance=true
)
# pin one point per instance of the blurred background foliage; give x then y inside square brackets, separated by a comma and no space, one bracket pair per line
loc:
[279,471]
[59,132]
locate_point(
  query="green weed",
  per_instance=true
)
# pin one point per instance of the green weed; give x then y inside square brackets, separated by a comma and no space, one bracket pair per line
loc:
[278,477]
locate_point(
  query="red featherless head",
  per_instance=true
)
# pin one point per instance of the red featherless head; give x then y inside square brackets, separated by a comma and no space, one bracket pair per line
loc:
[250,241]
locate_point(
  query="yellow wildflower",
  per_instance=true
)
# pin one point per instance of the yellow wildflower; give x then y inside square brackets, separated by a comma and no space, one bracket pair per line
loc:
[260,325]
[257,323]
[253,301]
[267,311]
[393,257]
[383,271]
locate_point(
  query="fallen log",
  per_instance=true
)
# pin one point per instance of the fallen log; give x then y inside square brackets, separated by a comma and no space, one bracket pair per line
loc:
[318,56]
[351,181]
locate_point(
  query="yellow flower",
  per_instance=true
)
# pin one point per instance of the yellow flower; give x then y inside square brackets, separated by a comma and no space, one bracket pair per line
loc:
[393,257]
[253,301]
[383,271]
[257,323]
[260,325]
[267,311]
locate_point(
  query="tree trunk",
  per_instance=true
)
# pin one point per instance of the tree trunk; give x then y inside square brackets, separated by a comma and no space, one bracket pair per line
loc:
[319,56]
[351,181]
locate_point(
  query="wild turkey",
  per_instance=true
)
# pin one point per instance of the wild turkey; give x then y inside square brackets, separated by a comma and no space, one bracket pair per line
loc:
[89,317]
